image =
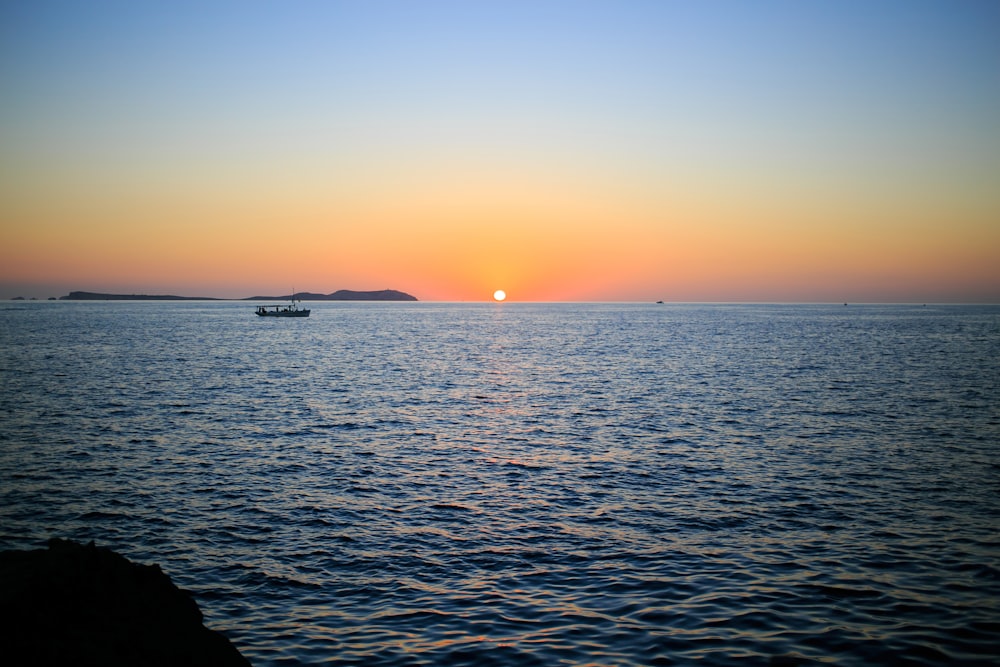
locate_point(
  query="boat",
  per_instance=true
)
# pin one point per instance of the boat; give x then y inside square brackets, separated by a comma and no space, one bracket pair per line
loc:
[283,311]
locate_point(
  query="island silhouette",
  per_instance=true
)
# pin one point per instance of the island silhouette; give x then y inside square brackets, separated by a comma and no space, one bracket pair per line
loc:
[339,295]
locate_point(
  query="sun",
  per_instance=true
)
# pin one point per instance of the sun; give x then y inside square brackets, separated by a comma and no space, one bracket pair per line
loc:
[499,295]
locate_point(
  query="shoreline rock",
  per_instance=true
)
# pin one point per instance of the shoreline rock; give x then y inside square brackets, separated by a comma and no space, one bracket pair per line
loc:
[75,604]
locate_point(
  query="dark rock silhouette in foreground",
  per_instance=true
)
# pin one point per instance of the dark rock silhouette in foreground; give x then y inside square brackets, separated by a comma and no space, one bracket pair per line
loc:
[84,605]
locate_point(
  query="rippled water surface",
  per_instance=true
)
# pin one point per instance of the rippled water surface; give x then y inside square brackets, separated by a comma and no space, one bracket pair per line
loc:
[447,484]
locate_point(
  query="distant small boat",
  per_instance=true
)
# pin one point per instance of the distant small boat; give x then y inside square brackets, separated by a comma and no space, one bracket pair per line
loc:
[283,311]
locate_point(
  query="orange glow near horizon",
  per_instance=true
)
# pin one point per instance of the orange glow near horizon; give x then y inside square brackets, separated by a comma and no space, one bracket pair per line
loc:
[592,163]
[453,249]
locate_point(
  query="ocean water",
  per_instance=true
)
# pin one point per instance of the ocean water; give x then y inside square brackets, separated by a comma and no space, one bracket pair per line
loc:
[529,484]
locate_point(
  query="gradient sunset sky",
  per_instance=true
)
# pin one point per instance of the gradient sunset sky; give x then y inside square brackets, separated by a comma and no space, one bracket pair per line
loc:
[561,151]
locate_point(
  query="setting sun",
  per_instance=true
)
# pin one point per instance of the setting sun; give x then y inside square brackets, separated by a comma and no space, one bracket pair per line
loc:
[499,295]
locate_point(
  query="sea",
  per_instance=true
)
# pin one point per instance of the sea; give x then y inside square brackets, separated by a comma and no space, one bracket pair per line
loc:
[527,483]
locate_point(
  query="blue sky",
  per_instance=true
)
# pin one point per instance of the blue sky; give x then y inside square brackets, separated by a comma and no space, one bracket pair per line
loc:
[878,104]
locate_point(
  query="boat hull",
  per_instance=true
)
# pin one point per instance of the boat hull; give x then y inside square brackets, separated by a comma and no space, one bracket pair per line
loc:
[294,313]
[282,311]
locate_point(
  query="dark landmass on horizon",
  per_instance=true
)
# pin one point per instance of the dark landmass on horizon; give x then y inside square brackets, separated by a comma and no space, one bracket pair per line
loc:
[339,295]
[97,296]
[75,604]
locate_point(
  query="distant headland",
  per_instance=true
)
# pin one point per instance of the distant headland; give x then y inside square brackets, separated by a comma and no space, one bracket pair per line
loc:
[97,296]
[339,295]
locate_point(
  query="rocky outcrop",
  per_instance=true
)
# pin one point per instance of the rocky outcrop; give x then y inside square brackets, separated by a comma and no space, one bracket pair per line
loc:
[74,604]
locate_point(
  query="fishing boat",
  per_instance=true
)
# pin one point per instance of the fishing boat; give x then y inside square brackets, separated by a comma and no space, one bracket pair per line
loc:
[283,311]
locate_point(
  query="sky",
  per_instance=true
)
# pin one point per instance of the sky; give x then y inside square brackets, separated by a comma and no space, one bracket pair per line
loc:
[620,150]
